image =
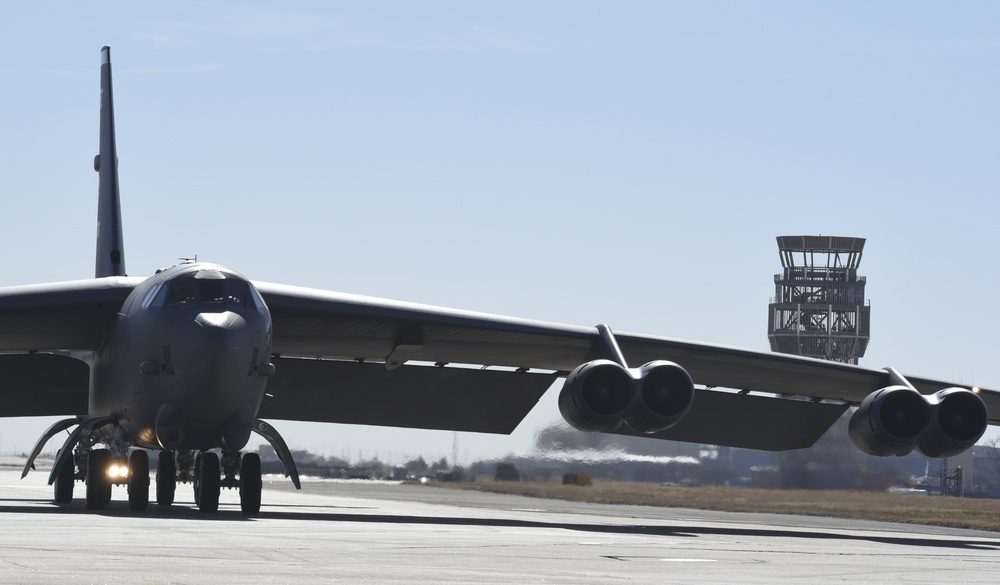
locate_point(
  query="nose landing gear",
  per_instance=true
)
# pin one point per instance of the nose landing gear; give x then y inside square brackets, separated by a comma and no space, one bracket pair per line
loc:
[98,483]
[138,480]
[106,468]
[166,479]
[206,482]
[250,484]
[209,475]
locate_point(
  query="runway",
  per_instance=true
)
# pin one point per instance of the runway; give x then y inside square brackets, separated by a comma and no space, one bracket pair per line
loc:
[365,532]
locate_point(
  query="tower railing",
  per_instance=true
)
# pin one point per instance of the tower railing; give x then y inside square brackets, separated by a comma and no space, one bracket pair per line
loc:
[819,307]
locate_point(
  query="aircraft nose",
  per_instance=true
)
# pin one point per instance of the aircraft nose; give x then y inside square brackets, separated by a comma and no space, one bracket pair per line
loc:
[212,358]
[219,342]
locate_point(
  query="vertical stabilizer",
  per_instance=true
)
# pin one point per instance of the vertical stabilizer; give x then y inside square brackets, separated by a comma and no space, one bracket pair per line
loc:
[110,245]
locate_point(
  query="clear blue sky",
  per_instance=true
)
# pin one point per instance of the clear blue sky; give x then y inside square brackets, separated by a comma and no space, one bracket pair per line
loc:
[628,163]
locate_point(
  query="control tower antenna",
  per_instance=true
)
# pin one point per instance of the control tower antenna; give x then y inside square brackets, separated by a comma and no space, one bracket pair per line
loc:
[819,309]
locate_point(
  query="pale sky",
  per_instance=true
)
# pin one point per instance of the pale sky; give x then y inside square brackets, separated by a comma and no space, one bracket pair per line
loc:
[625,163]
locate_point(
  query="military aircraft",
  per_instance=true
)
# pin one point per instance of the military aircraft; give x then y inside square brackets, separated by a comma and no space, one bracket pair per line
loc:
[193,359]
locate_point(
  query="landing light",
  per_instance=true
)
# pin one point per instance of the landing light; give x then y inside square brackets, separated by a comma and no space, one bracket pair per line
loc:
[118,471]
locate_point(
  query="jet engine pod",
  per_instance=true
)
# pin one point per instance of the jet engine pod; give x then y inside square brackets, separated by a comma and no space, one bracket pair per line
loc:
[890,421]
[596,395]
[959,420]
[666,393]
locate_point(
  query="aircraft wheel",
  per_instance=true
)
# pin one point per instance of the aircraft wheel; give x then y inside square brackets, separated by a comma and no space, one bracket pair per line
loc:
[98,485]
[64,481]
[197,480]
[250,483]
[166,479]
[138,480]
[208,482]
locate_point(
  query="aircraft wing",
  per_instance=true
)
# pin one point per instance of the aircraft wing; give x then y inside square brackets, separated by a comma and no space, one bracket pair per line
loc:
[60,315]
[339,328]
[341,360]
[53,317]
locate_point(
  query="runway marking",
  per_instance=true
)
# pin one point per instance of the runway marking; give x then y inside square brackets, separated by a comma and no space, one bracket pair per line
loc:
[662,560]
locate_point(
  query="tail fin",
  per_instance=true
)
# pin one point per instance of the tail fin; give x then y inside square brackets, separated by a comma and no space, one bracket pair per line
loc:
[110,244]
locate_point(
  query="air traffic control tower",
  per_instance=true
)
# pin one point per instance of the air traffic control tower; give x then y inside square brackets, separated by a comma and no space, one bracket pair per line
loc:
[819,308]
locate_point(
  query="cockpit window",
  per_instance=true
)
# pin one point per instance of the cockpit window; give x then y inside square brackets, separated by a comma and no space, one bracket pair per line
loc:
[184,291]
[151,295]
[235,292]
[258,302]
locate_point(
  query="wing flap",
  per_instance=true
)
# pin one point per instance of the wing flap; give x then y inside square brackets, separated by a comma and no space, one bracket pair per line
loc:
[426,397]
[751,422]
[43,384]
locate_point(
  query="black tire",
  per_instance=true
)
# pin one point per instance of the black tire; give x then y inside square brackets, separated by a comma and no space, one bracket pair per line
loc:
[250,483]
[197,480]
[98,485]
[208,483]
[166,479]
[65,480]
[138,480]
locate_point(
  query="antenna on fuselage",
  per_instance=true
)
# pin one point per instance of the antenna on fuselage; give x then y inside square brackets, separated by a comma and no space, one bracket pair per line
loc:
[110,243]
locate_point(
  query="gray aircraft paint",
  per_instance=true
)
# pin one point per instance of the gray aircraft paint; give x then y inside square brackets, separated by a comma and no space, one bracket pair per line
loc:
[110,242]
[174,372]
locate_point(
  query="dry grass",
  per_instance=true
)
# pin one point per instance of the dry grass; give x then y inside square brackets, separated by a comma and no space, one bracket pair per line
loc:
[979,514]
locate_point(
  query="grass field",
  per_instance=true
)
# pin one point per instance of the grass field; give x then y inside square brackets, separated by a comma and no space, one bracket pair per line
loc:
[979,514]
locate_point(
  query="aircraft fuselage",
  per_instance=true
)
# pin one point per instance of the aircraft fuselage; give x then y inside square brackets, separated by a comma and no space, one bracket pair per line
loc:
[186,361]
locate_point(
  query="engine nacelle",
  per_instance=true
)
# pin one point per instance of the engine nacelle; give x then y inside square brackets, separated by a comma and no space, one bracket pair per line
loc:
[601,395]
[898,419]
[596,395]
[890,421]
[665,394]
[960,419]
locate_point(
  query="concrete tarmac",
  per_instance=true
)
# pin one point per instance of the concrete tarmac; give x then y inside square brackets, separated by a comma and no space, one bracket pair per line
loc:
[371,532]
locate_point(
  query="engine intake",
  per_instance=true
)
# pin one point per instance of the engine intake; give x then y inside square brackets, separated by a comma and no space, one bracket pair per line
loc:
[890,421]
[596,395]
[897,419]
[601,395]
[960,419]
[665,395]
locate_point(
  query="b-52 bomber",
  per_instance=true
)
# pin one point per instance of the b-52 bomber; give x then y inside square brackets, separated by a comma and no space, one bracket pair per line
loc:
[193,359]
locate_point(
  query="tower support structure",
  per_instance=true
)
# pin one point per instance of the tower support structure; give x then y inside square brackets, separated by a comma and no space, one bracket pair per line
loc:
[819,308]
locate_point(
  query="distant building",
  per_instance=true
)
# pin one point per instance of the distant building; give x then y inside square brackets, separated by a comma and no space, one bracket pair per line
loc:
[986,468]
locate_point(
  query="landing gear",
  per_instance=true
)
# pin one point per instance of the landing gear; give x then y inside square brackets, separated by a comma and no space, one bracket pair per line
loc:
[247,468]
[138,481]
[250,483]
[206,482]
[110,465]
[65,476]
[98,485]
[166,479]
